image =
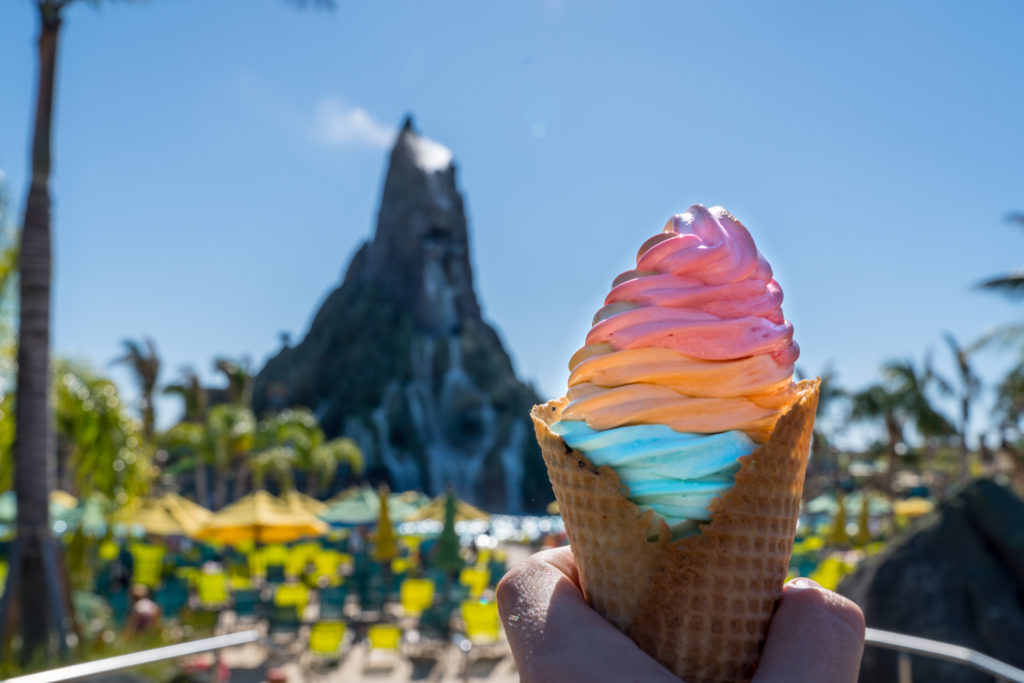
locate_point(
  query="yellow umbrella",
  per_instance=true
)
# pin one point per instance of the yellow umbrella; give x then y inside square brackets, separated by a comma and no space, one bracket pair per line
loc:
[464,512]
[261,518]
[385,548]
[192,516]
[167,515]
[156,520]
[300,501]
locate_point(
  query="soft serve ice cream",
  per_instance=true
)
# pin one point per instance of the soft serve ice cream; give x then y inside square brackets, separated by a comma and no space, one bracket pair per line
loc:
[686,369]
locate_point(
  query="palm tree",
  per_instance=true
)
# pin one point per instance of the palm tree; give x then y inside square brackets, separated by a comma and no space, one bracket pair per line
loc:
[1011,284]
[230,430]
[192,393]
[34,440]
[1009,411]
[970,386]
[98,443]
[240,376]
[145,365]
[295,436]
[275,462]
[823,455]
[185,442]
[899,400]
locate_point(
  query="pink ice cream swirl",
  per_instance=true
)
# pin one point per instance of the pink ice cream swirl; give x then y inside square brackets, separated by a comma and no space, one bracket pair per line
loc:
[700,288]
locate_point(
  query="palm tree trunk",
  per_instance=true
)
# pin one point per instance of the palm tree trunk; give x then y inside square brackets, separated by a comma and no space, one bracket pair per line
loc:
[895,434]
[220,487]
[148,418]
[241,479]
[33,448]
[199,479]
[964,469]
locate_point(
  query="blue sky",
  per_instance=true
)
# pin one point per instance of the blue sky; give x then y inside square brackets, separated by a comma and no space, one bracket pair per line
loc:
[218,163]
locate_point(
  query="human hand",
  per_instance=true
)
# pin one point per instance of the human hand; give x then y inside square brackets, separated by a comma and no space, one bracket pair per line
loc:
[816,635]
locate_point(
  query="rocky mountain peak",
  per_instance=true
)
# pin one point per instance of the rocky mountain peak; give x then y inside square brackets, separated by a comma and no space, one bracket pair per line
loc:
[399,358]
[420,251]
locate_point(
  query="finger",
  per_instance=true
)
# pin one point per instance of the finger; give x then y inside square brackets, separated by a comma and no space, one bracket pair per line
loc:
[815,635]
[556,636]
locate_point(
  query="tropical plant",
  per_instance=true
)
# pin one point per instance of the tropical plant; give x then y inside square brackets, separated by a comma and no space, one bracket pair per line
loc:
[229,434]
[823,460]
[1011,284]
[900,399]
[184,443]
[273,463]
[239,374]
[100,447]
[294,437]
[969,387]
[144,362]
[192,393]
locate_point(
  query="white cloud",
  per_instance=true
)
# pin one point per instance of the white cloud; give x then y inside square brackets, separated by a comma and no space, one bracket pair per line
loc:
[338,123]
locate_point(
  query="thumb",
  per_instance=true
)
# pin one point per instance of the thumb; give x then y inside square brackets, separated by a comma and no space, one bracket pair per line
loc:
[815,635]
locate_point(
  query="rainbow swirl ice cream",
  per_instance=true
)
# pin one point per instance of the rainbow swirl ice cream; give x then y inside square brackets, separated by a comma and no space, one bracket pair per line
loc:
[687,368]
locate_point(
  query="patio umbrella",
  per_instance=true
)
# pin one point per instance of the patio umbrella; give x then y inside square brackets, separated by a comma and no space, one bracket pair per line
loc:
[362,506]
[358,506]
[260,518]
[166,515]
[189,507]
[384,548]
[437,509]
[153,519]
[300,501]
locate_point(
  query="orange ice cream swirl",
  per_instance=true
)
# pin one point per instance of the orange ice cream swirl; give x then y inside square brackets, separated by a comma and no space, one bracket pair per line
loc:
[693,338]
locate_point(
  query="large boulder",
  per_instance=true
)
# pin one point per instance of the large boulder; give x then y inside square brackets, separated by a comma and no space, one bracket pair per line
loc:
[399,358]
[957,577]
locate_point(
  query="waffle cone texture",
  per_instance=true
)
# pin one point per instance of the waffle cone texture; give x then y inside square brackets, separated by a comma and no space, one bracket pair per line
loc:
[700,605]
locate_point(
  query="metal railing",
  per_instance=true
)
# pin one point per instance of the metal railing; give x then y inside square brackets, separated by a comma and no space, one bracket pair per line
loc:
[134,659]
[905,645]
[908,645]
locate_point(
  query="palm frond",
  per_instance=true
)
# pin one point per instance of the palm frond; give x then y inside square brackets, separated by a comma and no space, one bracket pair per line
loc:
[1011,285]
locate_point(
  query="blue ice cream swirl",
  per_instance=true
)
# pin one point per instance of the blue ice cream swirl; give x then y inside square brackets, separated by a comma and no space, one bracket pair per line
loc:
[673,473]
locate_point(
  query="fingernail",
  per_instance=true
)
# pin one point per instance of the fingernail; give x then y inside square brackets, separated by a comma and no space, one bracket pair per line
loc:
[803,583]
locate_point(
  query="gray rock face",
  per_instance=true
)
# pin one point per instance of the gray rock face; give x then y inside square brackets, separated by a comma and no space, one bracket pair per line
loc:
[399,358]
[957,577]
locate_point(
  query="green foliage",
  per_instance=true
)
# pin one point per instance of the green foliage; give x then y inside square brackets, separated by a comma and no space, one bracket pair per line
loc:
[293,440]
[100,443]
[831,571]
[192,393]
[239,375]
[144,361]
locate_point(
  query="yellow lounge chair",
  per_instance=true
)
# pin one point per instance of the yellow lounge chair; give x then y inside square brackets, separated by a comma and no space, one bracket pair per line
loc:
[212,589]
[416,595]
[475,579]
[382,647]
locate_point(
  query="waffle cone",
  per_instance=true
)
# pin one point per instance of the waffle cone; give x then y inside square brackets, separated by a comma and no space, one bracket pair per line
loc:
[700,605]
